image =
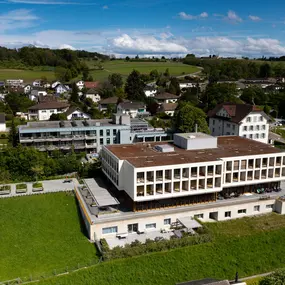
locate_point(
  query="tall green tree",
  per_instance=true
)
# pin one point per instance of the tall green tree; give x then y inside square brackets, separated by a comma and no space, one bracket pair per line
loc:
[174,87]
[134,87]
[18,102]
[74,94]
[265,70]
[186,118]
[13,134]
[254,95]
[116,80]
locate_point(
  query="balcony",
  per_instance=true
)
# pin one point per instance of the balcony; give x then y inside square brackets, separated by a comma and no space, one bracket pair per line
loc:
[90,145]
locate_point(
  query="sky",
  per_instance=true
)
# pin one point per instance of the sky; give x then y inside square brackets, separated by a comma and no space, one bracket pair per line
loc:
[252,28]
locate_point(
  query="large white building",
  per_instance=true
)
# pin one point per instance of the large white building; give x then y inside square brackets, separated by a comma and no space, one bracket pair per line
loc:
[239,120]
[161,183]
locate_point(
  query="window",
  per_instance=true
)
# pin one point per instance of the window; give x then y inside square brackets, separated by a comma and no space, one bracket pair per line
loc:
[256,208]
[167,221]
[242,211]
[269,206]
[214,122]
[250,136]
[44,111]
[108,141]
[101,133]
[257,128]
[114,132]
[213,130]
[101,141]
[107,132]
[263,127]
[245,128]
[251,128]
[234,127]
[228,214]
[228,133]
[257,136]
[248,119]
[244,136]
[150,226]
[109,230]
[263,136]
[260,118]
[199,216]
[228,125]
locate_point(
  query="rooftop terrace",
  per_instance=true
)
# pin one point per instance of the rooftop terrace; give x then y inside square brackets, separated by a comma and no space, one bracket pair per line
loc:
[146,155]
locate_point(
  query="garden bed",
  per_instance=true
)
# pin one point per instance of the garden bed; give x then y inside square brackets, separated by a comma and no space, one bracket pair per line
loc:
[38,187]
[5,190]
[21,188]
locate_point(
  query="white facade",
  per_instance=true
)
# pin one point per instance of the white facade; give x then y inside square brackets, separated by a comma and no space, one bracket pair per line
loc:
[2,127]
[94,97]
[254,126]
[187,85]
[37,83]
[15,82]
[54,84]
[132,112]
[77,114]
[27,89]
[60,89]
[44,114]
[150,93]
[80,84]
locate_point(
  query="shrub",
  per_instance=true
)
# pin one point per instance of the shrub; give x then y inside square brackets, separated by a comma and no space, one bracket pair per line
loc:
[21,186]
[3,136]
[5,188]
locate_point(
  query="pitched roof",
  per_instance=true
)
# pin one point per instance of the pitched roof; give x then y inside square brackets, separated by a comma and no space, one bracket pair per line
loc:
[92,91]
[49,105]
[71,110]
[110,100]
[165,95]
[2,118]
[168,107]
[237,112]
[91,84]
[132,105]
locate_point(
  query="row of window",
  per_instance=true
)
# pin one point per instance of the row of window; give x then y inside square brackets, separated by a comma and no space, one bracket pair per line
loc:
[254,128]
[254,119]
[255,136]
[108,132]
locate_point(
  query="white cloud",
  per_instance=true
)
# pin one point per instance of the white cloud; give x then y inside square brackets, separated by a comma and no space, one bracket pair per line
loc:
[17,19]
[65,46]
[185,16]
[48,2]
[105,7]
[145,44]
[232,16]
[254,18]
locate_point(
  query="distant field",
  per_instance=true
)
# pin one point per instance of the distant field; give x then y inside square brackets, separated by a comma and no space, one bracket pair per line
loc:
[250,246]
[40,234]
[27,75]
[125,68]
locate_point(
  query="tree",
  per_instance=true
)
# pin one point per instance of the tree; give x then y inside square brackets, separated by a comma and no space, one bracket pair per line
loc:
[187,117]
[74,94]
[276,278]
[265,70]
[174,87]
[134,87]
[60,73]
[127,58]
[254,95]
[116,80]
[18,102]
[266,109]
[191,96]
[37,170]
[85,73]
[154,74]
[166,73]
[13,134]
[58,117]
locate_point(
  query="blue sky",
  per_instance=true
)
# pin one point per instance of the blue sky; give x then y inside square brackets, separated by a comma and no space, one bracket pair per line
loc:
[147,27]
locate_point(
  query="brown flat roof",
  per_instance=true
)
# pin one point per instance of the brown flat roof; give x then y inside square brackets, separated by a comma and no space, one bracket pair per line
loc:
[144,155]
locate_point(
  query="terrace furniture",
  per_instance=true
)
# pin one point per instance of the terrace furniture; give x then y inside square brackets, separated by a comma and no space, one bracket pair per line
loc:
[122,235]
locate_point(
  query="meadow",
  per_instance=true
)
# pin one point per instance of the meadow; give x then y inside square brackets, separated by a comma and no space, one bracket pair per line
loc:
[41,233]
[249,246]
[27,75]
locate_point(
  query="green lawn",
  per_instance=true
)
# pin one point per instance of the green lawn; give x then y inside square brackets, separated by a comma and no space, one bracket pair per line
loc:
[41,233]
[27,75]
[249,246]
[125,68]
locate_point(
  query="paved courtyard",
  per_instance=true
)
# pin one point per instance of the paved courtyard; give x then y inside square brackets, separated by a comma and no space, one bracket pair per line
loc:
[49,186]
[114,241]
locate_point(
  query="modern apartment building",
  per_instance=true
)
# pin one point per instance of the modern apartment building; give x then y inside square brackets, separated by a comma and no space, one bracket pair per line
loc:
[239,120]
[87,135]
[158,184]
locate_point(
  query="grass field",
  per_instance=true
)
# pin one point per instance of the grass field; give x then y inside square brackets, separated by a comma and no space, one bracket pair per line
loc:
[41,233]
[125,68]
[249,246]
[27,75]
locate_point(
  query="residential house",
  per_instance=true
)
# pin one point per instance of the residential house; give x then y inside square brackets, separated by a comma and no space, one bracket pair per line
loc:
[133,109]
[111,101]
[230,119]
[93,95]
[15,82]
[150,91]
[27,88]
[46,85]
[80,84]
[55,83]
[166,98]
[91,84]
[2,83]
[167,108]
[60,89]
[74,113]
[37,83]
[261,82]
[187,84]
[2,123]
[36,92]
[44,110]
